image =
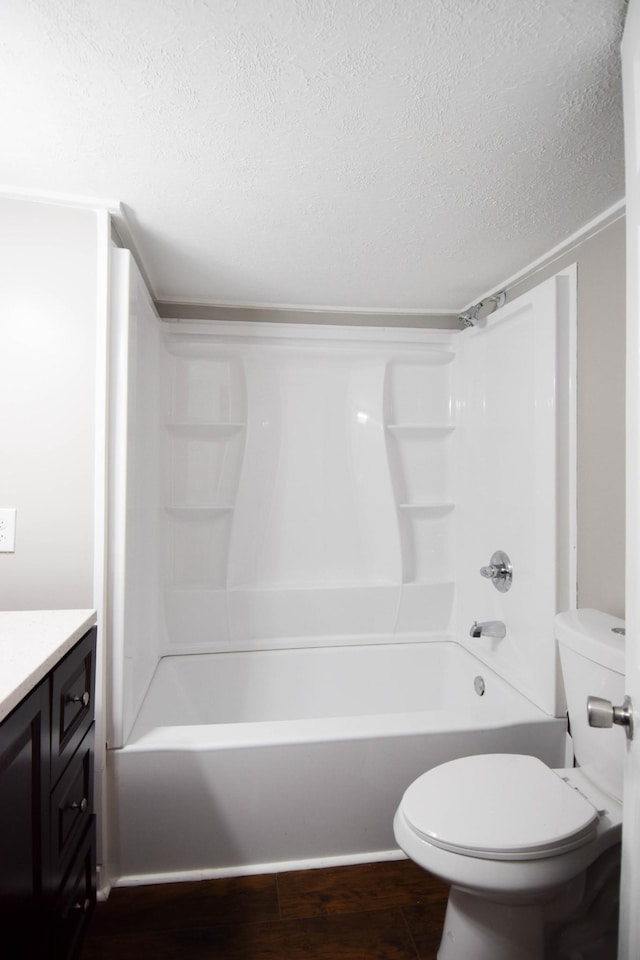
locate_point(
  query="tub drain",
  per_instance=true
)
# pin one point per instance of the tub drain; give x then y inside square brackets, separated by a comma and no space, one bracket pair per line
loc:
[478,685]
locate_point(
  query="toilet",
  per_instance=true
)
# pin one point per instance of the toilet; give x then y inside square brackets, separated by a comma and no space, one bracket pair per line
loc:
[527,849]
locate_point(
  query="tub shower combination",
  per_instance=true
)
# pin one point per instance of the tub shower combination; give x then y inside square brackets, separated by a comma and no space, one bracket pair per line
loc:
[300,519]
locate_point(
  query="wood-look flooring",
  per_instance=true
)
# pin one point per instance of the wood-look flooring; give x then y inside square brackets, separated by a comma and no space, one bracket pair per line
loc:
[376,911]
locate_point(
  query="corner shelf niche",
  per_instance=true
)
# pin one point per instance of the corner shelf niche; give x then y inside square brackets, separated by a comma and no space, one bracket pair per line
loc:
[203,471]
[419,449]
[197,542]
[204,439]
[203,463]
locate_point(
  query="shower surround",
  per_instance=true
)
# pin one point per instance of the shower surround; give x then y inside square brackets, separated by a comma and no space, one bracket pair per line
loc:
[301,488]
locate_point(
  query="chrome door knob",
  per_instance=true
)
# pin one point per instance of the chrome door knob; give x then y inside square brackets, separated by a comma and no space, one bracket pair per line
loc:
[602,713]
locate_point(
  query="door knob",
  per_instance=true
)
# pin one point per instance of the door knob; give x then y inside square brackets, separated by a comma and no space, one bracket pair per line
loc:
[602,713]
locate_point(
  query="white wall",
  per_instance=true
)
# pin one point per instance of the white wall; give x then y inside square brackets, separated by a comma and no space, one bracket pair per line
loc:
[48,259]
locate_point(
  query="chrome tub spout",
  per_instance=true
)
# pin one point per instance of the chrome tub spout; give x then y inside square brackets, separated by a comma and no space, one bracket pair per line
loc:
[489,628]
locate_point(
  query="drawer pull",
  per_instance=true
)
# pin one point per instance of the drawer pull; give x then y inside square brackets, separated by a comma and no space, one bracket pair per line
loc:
[84,907]
[84,699]
[81,806]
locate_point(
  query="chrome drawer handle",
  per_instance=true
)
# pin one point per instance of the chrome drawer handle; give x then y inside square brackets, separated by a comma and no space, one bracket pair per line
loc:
[84,699]
[81,806]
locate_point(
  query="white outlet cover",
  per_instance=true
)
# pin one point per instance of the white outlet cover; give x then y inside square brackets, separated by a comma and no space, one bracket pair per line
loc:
[7,529]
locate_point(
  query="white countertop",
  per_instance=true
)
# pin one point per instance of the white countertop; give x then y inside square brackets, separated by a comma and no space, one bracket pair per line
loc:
[31,643]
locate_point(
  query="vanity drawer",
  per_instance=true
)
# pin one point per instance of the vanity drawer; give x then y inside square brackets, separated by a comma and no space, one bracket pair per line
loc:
[72,709]
[76,900]
[71,807]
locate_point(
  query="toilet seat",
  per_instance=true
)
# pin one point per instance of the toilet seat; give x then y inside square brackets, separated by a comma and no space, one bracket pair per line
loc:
[499,807]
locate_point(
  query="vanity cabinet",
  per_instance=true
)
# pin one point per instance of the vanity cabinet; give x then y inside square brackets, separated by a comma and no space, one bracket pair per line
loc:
[47,824]
[24,782]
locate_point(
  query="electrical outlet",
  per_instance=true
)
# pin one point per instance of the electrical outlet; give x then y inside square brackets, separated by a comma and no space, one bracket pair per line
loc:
[7,529]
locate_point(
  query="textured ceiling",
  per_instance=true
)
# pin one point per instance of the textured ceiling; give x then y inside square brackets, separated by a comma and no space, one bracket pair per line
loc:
[383,154]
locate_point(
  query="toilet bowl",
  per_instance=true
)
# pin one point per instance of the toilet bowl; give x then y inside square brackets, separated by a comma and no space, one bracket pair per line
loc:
[509,830]
[515,839]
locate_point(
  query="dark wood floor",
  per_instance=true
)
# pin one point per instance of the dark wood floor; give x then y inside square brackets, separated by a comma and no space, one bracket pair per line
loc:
[374,911]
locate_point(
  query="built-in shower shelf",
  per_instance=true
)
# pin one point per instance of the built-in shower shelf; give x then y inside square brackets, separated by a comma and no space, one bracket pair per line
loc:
[212,430]
[420,430]
[427,509]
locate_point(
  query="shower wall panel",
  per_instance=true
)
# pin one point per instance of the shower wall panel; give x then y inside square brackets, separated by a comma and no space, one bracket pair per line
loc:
[277,487]
[514,489]
[307,488]
[135,623]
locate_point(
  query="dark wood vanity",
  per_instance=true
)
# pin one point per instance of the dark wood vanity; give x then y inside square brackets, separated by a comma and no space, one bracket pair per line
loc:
[47,821]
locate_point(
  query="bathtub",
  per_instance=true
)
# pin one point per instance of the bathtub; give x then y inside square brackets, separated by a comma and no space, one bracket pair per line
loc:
[257,761]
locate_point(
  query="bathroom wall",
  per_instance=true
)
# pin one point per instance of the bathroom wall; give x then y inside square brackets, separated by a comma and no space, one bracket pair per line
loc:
[48,260]
[600,263]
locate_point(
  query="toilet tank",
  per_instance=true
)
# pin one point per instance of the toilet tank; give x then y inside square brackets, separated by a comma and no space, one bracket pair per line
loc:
[592,658]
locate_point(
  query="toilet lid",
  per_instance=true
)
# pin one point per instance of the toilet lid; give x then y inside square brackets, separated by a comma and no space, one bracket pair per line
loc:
[499,807]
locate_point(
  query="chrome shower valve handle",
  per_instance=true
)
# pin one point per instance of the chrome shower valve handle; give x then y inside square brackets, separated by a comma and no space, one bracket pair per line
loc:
[499,571]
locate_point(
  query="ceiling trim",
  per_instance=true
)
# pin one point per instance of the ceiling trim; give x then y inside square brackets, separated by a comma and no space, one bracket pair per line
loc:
[428,317]
[187,309]
[589,230]
[121,222]
[61,199]
[270,313]
[309,308]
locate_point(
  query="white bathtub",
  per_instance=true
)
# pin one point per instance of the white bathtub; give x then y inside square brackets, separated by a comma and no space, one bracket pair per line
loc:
[257,761]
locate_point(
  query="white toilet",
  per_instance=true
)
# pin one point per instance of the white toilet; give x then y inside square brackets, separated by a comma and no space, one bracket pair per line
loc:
[526,848]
